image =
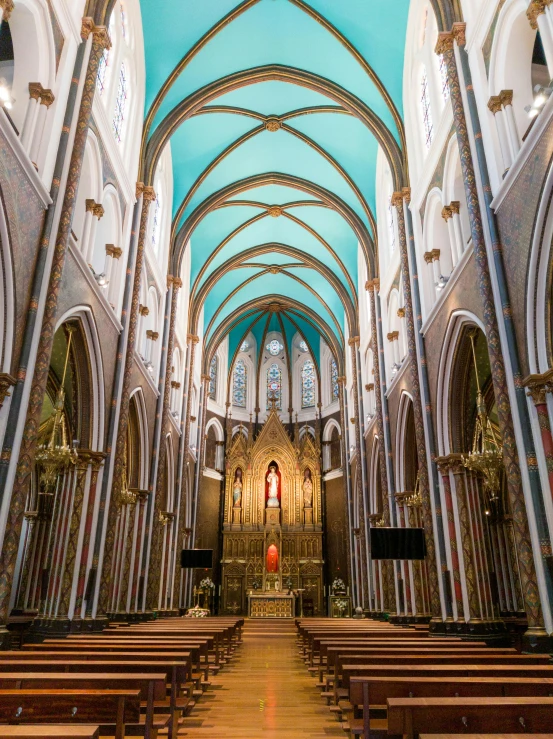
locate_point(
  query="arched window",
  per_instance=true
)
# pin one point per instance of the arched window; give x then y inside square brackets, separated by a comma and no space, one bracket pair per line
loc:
[101,77]
[334,379]
[239,384]
[213,367]
[443,78]
[156,223]
[274,386]
[391,225]
[120,104]
[425,108]
[308,384]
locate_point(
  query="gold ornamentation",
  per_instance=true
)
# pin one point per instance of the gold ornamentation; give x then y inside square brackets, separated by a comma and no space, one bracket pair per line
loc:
[444,43]
[114,251]
[273,123]
[538,386]
[535,9]
[7,8]
[506,97]
[495,104]
[275,211]
[6,382]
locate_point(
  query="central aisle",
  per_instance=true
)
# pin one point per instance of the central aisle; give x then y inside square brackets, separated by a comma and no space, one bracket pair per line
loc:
[264,692]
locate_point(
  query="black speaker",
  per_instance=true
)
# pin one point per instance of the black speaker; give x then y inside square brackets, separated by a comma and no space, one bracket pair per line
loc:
[396,543]
[196,559]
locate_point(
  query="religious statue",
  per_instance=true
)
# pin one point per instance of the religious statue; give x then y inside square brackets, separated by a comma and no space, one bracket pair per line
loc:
[237,488]
[272,482]
[307,488]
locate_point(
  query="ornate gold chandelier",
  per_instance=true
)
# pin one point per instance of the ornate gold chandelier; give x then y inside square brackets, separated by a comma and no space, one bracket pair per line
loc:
[485,458]
[55,455]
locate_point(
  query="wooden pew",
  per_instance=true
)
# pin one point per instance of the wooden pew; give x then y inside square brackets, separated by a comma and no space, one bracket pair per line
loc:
[55,731]
[484,736]
[111,709]
[409,717]
[373,693]
[152,688]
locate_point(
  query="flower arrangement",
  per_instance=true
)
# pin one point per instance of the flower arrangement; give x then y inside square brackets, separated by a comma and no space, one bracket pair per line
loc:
[338,585]
[256,584]
[197,612]
[207,584]
[341,605]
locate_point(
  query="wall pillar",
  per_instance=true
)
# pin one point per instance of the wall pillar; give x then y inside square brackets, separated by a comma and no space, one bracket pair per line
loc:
[446,47]
[539,15]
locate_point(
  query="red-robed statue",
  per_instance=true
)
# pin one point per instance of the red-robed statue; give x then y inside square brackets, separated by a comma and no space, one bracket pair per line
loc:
[272,559]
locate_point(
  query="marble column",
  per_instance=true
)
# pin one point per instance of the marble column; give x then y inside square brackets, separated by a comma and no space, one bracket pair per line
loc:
[100,39]
[446,47]
[148,195]
[424,482]
[153,590]
[537,388]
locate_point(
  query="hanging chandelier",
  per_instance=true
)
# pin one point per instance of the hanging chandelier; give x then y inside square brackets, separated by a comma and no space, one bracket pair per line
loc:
[485,457]
[55,455]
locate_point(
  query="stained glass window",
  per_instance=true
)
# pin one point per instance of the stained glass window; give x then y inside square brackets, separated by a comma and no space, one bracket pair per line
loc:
[426,112]
[156,226]
[274,386]
[443,77]
[244,346]
[239,384]
[274,347]
[102,70]
[308,384]
[303,346]
[213,378]
[334,379]
[120,104]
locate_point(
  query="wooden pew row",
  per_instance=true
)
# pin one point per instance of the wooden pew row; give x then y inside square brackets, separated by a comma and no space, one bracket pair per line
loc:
[409,717]
[114,710]
[371,694]
[152,688]
[54,731]
[337,656]
[482,736]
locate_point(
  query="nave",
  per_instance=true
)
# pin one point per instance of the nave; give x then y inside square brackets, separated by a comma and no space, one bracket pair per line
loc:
[266,691]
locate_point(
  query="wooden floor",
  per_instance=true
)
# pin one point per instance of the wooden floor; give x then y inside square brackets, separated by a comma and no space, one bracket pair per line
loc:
[264,692]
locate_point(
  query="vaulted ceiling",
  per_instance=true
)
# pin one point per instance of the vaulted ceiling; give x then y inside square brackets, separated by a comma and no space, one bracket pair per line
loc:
[274,110]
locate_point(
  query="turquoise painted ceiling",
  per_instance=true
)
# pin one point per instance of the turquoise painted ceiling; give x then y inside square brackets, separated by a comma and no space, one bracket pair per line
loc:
[274,111]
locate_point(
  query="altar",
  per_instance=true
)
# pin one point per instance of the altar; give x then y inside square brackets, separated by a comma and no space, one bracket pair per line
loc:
[271,605]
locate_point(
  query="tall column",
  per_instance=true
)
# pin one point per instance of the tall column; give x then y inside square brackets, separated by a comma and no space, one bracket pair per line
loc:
[445,46]
[447,215]
[496,109]
[154,570]
[46,100]
[382,420]
[455,208]
[538,386]
[29,122]
[100,39]
[443,464]
[348,512]
[148,195]
[185,491]
[506,97]
[424,481]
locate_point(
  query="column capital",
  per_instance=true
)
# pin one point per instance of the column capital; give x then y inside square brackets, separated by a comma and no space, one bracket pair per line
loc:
[143,310]
[455,207]
[35,90]
[538,386]
[393,335]
[446,213]
[406,194]
[47,98]
[506,97]
[341,380]
[175,281]
[353,340]
[6,382]
[146,190]
[192,338]
[535,9]
[369,387]
[401,312]
[427,256]
[397,199]
[7,8]
[435,254]
[444,43]
[101,32]
[153,335]
[459,33]
[372,284]
[114,251]
[175,385]
[495,104]
[206,378]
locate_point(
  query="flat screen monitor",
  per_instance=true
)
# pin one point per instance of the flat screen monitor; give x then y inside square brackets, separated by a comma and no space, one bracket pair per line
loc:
[201,559]
[394,543]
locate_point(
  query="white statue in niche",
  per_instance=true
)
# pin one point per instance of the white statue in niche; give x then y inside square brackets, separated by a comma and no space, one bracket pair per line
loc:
[273,482]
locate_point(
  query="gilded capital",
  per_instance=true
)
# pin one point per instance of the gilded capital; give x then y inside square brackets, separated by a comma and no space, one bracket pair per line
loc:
[495,104]
[143,310]
[35,90]
[153,335]
[427,256]
[6,382]
[538,386]
[455,207]
[397,199]
[47,98]
[446,213]
[401,312]
[7,9]
[535,9]
[114,251]
[406,194]
[459,33]
[353,340]
[176,282]
[192,338]
[506,97]
[444,43]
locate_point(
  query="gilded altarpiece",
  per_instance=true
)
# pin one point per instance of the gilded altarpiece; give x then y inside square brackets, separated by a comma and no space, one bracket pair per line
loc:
[272,530]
